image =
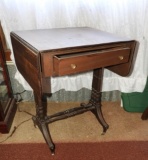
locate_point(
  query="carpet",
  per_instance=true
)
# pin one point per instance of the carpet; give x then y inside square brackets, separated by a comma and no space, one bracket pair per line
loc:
[78,137]
[127,150]
[123,126]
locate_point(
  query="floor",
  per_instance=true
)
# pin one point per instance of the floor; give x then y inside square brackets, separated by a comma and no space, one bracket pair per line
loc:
[85,128]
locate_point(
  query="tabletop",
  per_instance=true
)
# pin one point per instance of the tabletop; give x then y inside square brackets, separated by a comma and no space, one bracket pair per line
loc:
[59,38]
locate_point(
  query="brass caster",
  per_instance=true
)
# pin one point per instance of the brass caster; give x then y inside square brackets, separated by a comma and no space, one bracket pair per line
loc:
[52,151]
[105,129]
[103,133]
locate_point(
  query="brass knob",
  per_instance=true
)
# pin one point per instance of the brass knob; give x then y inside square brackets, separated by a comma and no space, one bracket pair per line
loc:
[73,66]
[121,57]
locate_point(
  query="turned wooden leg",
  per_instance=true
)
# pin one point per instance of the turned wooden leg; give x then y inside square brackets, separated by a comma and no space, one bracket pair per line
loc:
[40,119]
[96,97]
[145,114]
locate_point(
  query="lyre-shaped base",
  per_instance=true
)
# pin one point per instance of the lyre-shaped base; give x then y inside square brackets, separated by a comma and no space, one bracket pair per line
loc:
[94,105]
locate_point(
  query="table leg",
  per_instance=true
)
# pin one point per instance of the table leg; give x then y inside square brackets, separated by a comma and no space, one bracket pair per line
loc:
[145,114]
[95,99]
[40,119]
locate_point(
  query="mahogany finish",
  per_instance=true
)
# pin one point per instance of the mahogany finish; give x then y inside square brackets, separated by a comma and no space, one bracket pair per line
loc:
[7,101]
[41,54]
[145,114]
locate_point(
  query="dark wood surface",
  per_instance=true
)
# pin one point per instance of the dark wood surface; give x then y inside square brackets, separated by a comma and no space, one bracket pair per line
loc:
[145,114]
[7,51]
[48,43]
[7,101]
[40,54]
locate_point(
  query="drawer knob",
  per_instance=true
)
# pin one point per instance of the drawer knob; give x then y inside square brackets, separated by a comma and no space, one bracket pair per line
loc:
[121,57]
[73,66]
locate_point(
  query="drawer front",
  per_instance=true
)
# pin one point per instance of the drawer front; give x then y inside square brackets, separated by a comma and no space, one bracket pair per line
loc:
[81,62]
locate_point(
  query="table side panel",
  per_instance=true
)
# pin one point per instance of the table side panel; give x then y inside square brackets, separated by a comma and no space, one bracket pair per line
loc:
[126,68]
[47,64]
[27,63]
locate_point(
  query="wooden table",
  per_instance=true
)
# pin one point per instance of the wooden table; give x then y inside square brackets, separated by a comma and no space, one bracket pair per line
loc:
[42,54]
[145,114]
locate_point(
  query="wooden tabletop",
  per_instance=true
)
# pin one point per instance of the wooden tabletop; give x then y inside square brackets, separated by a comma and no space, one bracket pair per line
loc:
[50,39]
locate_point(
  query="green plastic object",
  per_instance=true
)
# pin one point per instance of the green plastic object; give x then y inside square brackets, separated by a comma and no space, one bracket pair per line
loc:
[136,101]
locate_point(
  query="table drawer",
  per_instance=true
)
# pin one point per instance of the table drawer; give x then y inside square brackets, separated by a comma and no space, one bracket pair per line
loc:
[80,62]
